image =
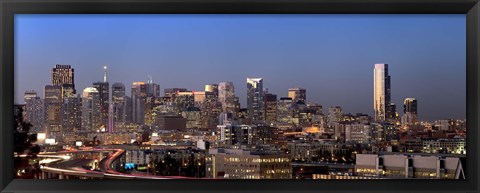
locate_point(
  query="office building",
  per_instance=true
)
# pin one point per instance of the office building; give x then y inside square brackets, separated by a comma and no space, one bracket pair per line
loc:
[226,96]
[34,111]
[63,75]
[297,94]
[284,110]
[72,114]
[91,114]
[401,166]
[183,100]
[139,97]
[171,92]
[270,108]
[334,115]
[53,103]
[410,106]
[152,89]
[382,92]
[212,88]
[255,99]
[193,117]
[244,164]
[118,106]
[171,122]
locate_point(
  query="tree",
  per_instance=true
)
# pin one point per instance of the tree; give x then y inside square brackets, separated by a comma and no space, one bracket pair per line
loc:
[26,164]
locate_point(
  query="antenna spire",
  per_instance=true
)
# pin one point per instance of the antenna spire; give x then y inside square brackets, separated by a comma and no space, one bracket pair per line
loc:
[104,73]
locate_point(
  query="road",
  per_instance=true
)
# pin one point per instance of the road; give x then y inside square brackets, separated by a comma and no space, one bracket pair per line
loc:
[61,163]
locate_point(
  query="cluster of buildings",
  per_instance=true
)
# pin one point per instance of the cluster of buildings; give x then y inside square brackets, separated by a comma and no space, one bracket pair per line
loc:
[269,139]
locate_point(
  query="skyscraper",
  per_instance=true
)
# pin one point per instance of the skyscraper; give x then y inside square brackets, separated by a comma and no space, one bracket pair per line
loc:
[410,105]
[103,89]
[104,93]
[153,90]
[334,115]
[212,88]
[53,103]
[255,99]
[284,110]
[226,96]
[297,94]
[270,108]
[63,75]
[91,120]
[381,93]
[34,111]
[72,114]
[139,96]
[118,105]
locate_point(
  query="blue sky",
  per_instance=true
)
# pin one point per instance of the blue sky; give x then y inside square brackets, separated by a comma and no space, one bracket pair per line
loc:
[332,56]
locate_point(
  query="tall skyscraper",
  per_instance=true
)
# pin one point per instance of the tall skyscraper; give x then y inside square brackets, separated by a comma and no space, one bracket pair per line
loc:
[284,110]
[255,99]
[410,105]
[104,92]
[63,75]
[53,104]
[72,114]
[226,96]
[139,96]
[381,93]
[103,89]
[34,111]
[270,108]
[91,105]
[118,106]
[153,90]
[297,94]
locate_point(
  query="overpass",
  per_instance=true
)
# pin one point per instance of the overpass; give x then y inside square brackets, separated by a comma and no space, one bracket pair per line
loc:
[62,165]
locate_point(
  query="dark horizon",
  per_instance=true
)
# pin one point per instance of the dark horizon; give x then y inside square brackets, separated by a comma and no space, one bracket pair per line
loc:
[331,56]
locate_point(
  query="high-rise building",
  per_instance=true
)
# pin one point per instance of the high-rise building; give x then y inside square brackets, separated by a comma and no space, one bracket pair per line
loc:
[193,117]
[118,106]
[72,114]
[297,94]
[104,92]
[29,95]
[255,99]
[212,88]
[139,96]
[284,110]
[91,105]
[184,100]
[382,92]
[171,92]
[128,110]
[53,104]
[410,105]
[63,75]
[211,108]
[103,89]
[334,115]
[34,111]
[153,90]
[270,108]
[226,96]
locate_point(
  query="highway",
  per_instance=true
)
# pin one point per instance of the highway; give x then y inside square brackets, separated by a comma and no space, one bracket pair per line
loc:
[62,164]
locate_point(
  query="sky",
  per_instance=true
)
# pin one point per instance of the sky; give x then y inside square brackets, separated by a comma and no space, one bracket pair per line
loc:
[331,56]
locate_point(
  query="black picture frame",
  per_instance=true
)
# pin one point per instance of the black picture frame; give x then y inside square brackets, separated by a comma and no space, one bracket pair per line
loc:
[8,8]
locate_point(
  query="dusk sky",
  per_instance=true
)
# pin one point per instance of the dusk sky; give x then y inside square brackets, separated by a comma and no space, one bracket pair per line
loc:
[332,56]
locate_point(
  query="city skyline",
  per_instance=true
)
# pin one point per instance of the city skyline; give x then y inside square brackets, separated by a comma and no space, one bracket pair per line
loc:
[319,90]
